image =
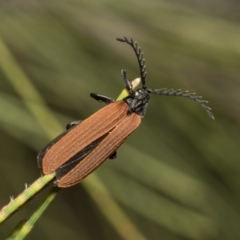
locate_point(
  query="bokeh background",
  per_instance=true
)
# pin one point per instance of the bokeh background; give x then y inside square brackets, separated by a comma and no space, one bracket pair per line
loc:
[178,176]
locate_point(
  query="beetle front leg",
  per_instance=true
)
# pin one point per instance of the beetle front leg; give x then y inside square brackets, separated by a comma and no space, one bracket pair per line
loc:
[102,98]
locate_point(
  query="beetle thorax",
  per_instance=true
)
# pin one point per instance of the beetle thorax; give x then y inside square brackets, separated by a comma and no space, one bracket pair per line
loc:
[138,102]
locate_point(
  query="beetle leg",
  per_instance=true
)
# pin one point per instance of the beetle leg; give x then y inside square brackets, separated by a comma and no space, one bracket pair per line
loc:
[73,124]
[113,155]
[102,98]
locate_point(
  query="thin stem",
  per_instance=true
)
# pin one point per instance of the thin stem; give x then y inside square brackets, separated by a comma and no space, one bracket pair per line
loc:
[28,225]
[23,197]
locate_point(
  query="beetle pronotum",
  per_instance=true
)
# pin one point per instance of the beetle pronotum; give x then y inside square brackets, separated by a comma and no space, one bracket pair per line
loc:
[87,144]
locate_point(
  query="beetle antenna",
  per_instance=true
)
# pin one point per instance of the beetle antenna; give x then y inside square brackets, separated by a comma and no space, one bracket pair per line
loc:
[185,94]
[141,60]
[126,81]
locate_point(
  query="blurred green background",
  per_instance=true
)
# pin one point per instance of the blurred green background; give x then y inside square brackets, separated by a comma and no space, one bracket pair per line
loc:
[178,176]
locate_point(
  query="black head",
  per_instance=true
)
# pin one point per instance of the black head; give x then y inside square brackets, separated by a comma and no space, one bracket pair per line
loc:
[138,100]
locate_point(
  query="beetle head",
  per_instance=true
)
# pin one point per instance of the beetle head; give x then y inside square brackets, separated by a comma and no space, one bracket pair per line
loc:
[138,100]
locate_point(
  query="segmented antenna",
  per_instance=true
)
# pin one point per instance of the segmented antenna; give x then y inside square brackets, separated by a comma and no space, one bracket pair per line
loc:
[141,60]
[185,94]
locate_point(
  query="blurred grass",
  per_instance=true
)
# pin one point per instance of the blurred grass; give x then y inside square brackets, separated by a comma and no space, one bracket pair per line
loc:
[177,176]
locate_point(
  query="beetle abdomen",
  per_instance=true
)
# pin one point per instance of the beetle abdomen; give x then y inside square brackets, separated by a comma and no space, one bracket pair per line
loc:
[98,124]
[95,158]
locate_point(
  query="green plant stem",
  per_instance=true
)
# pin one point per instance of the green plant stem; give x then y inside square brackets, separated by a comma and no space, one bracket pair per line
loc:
[28,226]
[22,198]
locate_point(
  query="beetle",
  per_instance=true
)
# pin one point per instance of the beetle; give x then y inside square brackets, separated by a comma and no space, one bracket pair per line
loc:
[85,145]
